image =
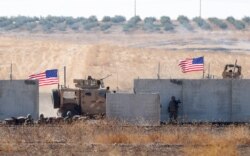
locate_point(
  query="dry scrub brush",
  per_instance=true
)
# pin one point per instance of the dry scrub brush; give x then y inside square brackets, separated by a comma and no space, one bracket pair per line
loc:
[197,136]
[194,140]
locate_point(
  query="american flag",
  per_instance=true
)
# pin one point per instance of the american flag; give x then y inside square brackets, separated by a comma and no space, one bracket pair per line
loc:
[192,64]
[49,77]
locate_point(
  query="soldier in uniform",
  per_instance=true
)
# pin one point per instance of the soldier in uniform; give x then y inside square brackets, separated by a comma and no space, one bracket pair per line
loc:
[68,118]
[173,109]
[29,120]
[107,91]
[42,119]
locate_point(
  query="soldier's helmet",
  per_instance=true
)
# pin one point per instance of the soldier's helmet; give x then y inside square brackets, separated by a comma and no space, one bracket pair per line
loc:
[41,116]
[173,97]
[69,114]
[28,116]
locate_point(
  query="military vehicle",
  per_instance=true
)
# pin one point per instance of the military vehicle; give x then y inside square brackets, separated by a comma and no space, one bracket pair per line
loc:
[232,71]
[88,98]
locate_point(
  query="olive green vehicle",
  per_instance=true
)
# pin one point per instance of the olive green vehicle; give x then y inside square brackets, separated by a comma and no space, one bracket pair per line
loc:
[88,98]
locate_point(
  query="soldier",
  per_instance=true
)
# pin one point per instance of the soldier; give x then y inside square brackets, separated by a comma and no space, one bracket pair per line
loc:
[41,120]
[68,118]
[173,109]
[28,120]
[107,91]
[10,121]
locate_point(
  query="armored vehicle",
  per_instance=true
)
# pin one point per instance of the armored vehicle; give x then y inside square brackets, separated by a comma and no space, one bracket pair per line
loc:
[232,71]
[88,98]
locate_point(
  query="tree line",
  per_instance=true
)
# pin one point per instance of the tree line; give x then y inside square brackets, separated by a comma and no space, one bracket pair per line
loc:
[149,24]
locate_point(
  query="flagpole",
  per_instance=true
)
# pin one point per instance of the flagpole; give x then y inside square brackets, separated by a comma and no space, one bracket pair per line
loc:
[203,75]
[234,68]
[11,71]
[159,68]
[64,68]
[208,71]
[58,85]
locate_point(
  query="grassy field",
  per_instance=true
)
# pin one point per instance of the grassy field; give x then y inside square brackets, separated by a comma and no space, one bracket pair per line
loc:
[99,137]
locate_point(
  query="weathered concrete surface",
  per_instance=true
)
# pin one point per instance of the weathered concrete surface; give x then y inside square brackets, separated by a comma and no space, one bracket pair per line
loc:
[206,100]
[19,98]
[202,100]
[139,109]
[241,101]
[165,87]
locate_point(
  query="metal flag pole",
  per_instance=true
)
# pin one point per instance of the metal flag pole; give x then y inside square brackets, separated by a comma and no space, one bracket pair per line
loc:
[208,76]
[64,69]
[159,70]
[203,75]
[11,71]
[117,88]
[58,85]
[233,73]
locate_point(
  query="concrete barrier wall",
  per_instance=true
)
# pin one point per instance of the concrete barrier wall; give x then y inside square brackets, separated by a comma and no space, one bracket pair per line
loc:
[206,100]
[19,98]
[202,100]
[241,101]
[165,88]
[139,109]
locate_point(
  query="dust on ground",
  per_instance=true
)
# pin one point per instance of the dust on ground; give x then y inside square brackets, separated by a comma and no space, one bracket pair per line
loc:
[127,56]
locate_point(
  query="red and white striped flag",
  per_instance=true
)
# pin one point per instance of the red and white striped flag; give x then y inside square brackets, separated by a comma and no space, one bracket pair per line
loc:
[49,77]
[192,64]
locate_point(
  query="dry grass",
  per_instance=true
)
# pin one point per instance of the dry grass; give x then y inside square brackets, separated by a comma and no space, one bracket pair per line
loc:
[113,139]
[194,142]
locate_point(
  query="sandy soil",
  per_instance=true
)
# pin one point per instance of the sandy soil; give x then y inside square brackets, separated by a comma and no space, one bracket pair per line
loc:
[125,56]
